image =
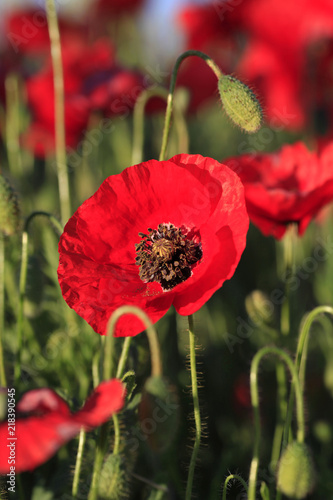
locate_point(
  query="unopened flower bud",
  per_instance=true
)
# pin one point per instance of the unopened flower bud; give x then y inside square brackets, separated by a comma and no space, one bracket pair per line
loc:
[240,103]
[296,475]
[9,210]
[113,481]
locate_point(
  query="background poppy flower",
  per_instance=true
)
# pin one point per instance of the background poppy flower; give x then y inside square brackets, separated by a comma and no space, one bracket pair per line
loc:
[159,233]
[291,185]
[44,423]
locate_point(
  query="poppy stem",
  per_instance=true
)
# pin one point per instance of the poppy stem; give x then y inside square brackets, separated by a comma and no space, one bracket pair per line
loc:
[78,464]
[22,285]
[138,120]
[13,124]
[225,486]
[255,405]
[59,111]
[123,357]
[300,361]
[167,120]
[197,417]
[3,381]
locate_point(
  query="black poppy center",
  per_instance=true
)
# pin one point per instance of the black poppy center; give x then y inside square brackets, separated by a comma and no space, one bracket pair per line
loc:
[166,255]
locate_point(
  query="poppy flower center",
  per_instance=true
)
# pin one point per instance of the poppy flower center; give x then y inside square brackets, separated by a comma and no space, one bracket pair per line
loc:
[166,255]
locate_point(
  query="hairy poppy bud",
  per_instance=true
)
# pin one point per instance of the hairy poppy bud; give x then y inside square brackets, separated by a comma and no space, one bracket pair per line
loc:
[240,103]
[113,482]
[296,475]
[9,211]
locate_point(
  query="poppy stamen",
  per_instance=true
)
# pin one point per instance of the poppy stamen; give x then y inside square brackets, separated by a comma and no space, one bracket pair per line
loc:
[166,255]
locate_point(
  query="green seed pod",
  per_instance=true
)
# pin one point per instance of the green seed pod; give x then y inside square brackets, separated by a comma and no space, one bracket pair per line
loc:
[113,482]
[159,413]
[9,210]
[296,475]
[240,103]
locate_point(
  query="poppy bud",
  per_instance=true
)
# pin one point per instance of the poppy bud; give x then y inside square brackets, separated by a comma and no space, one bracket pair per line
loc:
[296,475]
[159,413]
[240,103]
[113,482]
[9,211]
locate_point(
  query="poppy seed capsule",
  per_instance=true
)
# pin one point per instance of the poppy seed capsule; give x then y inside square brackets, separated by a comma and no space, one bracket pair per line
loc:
[240,103]
[9,210]
[296,475]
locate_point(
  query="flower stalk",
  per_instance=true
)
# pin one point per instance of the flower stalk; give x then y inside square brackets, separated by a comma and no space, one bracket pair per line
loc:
[197,417]
[255,405]
[170,101]
[3,381]
[59,111]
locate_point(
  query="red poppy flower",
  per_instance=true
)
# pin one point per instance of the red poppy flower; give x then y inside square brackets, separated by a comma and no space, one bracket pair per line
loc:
[159,233]
[291,185]
[44,423]
[105,7]
[277,60]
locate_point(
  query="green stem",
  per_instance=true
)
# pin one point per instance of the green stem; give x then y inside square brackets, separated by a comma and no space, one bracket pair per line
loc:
[138,120]
[78,464]
[123,357]
[13,124]
[101,449]
[22,286]
[59,111]
[3,381]
[289,271]
[116,428]
[301,353]
[255,404]
[107,374]
[225,486]
[197,417]
[151,332]
[168,113]
[281,414]
[300,361]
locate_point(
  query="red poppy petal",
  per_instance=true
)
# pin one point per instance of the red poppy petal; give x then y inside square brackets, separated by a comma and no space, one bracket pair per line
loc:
[42,401]
[108,398]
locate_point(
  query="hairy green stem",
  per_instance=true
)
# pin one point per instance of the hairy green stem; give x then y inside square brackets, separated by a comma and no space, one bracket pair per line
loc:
[59,111]
[123,357]
[13,124]
[168,112]
[255,405]
[229,478]
[138,120]
[3,381]
[300,361]
[78,464]
[196,407]
[108,370]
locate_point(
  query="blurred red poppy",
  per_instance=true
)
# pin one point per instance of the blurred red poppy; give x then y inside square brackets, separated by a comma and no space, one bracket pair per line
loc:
[44,423]
[92,82]
[279,57]
[104,7]
[159,233]
[207,30]
[289,186]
